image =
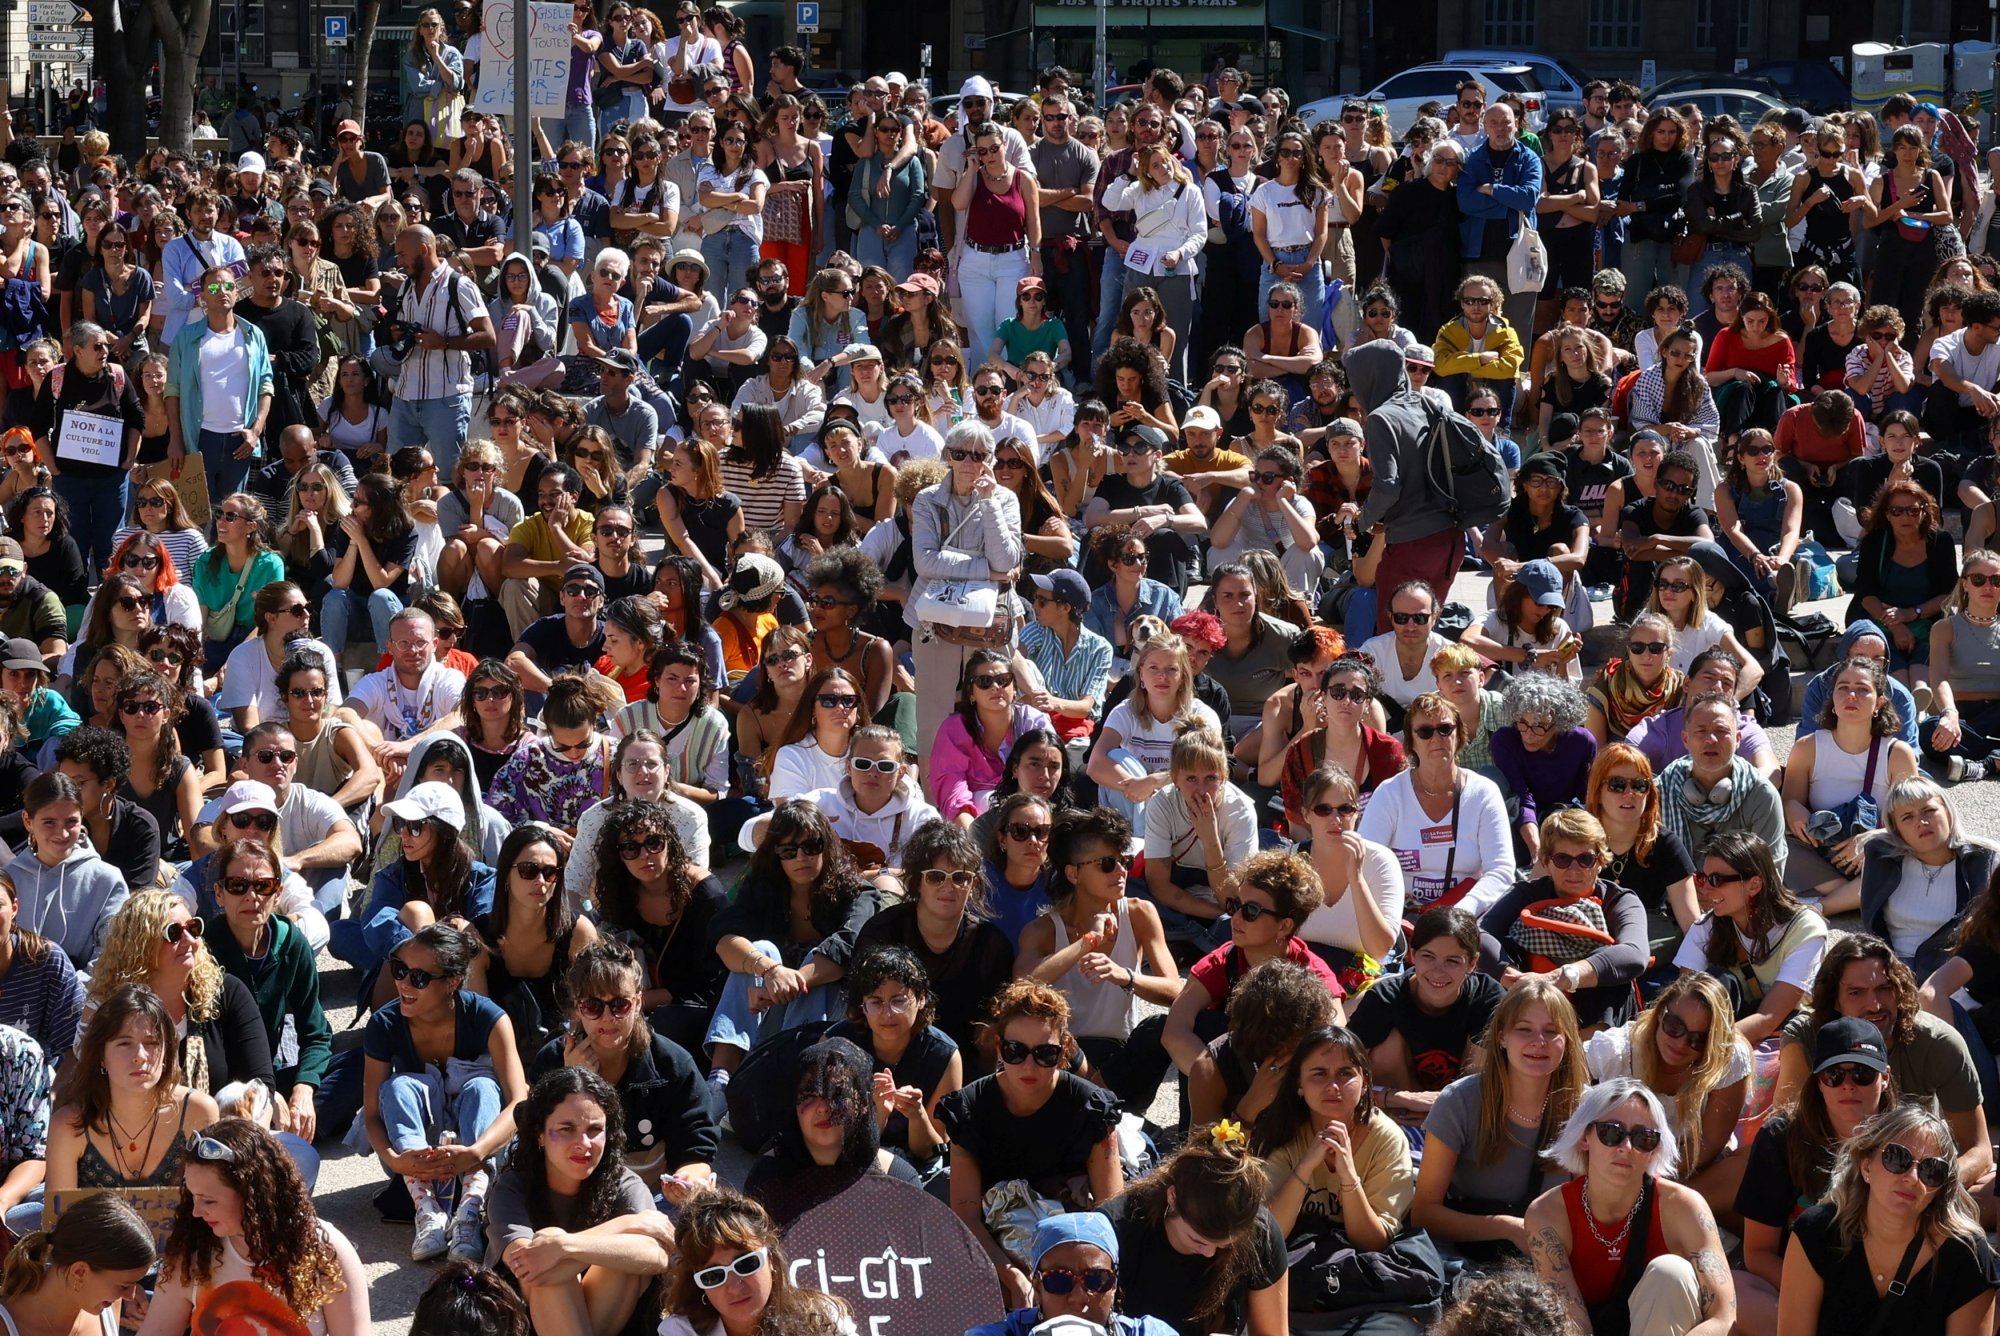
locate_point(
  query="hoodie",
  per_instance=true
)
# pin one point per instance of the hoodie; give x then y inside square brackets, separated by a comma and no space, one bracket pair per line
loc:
[71,903]
[1398,435]
[492,831]
[1820,690]
[547,313]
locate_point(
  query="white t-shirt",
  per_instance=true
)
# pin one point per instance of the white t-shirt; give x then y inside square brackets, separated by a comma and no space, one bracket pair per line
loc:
[305,818]
[1479,848]
[1287,222]
[1170,836]
[1608,1054]
[248,677]
[733,183]
[400,712]
[801,767]
[1693,640]
[1403,690]
[1381,880]
[707,51]
[923,442]
[1796,969]
[1983,370]
[1152,743]
[1055,414]
[225,380]
[1925,899]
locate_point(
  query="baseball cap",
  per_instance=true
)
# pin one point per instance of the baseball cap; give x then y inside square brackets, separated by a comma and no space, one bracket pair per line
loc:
[621,359]
[24,653]
[11,555]
[1343,427]
[1849,1039]
[584,572]
[251,162]
[1418,355]
[1543,582]
[896,78]
[1798,120]
[1543,465]
[919,283]
[1030,283]
[247,795]
[429,800]
[1202,417]
[756,577]
[1065,584]
[1139,431]
[1090,1227]
[347,128]
[861,352]
[320,186]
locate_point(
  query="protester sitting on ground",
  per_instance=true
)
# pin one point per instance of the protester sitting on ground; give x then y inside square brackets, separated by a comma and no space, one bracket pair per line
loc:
[1753,934]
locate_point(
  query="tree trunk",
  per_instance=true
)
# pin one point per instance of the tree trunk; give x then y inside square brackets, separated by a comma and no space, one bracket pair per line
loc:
[365,21]
[125,56]
[183,29]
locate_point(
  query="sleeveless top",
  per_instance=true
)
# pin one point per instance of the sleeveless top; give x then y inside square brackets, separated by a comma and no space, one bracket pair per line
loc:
[1563,181]
[106,1324]
[94,1171]
[736,84]
[320,766]
[1762,516]
[997,220]
[1597,1274]
[1826,225]
[1101,1010]
[1837,774]
[867,511]
[1975,657]
[1890,194]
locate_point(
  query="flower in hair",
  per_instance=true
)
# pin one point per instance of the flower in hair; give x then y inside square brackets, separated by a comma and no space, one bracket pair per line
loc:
[1226,1133]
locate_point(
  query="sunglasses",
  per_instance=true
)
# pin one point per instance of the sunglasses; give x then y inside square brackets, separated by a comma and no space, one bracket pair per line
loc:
[490,694]
[1325,810]
[1647,648]
[278,755]
[146,708]
[1677,1029]
[1410,618]
[960,880]
[1013,1052]
[1720,879]
[1860,1074]
[130,602]
[881,765]
[1568,861]
[246,886]
[1264,410]
[715,1277]
[652,844]
[1438,730]
[259,821]
[802,849]
[1612,1135]
[168,656]
[1672,586]
[1933,1171]
[537,871]
[990,681]
[1248,910]
[1682,489]
[829,701]
[209,1150]
[1104,863]
[1021,831]
[593,1008]
[176,933]
[1129,558]
[1095,1280]
[1620,784]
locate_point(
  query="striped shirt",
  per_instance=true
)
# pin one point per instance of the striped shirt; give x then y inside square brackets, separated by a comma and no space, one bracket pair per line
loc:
[183,545]
[446,372]
[44,999]
[764,499]
[1078,675]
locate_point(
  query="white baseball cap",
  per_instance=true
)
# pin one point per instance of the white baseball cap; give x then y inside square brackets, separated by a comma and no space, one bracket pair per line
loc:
[431,798]
[251,162]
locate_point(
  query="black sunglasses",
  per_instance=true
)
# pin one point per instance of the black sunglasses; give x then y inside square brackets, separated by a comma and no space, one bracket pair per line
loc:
[1013,1052]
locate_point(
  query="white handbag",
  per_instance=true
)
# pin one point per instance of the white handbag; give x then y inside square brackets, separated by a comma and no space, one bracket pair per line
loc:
[960,601]
[1527,260]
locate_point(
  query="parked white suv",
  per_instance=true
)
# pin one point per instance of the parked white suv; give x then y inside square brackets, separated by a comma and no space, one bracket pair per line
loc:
[1560,80]
[1403,93]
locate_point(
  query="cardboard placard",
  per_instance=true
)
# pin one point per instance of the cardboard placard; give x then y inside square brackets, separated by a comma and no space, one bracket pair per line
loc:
[548,58]
[87,438]
[156,1206]
[898,1257]
[191,486]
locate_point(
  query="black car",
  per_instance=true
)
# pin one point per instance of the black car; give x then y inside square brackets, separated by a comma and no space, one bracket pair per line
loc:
[1813,84]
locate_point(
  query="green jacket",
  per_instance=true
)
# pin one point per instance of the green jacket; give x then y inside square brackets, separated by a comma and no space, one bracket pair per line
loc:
[286,990]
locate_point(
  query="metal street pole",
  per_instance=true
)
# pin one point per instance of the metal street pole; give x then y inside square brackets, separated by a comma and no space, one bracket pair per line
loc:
[1101,76]
[524,132]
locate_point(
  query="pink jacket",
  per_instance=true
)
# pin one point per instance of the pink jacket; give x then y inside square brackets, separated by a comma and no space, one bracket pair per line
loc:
[963,773]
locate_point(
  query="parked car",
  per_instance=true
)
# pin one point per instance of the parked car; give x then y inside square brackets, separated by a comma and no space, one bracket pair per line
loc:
[1668,90]
[1813,84]
[1559,78]
[1403,93]
[1747,105]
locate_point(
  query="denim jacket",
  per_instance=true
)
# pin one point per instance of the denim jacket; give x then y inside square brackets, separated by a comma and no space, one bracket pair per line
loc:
[184,376]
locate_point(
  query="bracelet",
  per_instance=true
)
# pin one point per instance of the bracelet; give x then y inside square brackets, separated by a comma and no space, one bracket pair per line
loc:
[1131,981]
[1305,1182]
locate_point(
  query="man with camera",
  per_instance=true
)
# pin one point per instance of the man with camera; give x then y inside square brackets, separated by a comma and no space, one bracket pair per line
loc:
[439,323]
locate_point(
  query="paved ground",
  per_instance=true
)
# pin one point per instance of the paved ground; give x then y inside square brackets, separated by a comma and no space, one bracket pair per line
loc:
[348,1182]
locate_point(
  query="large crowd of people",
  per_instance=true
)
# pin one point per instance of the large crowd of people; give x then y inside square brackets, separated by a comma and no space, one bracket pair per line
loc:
[935,649]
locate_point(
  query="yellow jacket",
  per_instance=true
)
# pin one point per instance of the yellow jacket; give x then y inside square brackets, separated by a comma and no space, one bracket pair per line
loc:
[1455,357]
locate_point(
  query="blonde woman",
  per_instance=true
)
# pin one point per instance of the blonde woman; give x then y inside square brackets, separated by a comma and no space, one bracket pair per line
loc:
[1130,759]
[315,504]
[1680,594]
[156,940]
[1170,226]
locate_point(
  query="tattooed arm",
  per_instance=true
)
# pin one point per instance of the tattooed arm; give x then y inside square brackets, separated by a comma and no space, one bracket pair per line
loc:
[1547,1227]
[1690,1232]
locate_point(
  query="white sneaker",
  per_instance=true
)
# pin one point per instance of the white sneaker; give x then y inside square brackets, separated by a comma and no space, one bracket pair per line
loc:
[433,1226]
[468,1229]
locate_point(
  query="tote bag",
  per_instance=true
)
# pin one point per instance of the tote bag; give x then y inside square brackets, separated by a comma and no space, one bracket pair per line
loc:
[1527,260]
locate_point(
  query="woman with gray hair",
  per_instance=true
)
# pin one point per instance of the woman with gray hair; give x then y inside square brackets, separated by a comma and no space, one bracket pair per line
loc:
[1543,752]
[1920,872]
[1897,1238]
[89,385]
[1420,222]
[1627,1248]
[966,549]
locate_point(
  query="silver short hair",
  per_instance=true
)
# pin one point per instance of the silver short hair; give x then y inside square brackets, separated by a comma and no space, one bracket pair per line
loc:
[1568,1149]
[967,434]
[1447,142]
[1844,290]
[1542,693]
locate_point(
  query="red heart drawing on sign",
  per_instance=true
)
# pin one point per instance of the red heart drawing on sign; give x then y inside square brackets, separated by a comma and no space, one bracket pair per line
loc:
[497,27]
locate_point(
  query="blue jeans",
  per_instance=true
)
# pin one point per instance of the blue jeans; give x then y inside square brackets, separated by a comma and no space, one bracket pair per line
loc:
[1311,286]
[96,509]
[1110,292]
[663,345]
[1648,264]
[439,425]
[731,257]
[738,1027]
[415,1118]
[226,473]
[341,605]
[898,256]
[1128,765]
[1711,259]
[579,122]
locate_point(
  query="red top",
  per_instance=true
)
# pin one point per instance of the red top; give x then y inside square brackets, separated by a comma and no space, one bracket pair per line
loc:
[1596,1273]
[1730,353]
[1800,437]
[635,684]
[1219,970]
[997,220]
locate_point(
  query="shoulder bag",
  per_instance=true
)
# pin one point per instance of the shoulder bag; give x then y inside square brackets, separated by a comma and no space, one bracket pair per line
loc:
[218,623]
[1527,260]
[962,610]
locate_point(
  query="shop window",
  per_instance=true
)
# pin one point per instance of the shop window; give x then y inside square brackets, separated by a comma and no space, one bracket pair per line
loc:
[1704,24]
[1614,25]
[1509,23]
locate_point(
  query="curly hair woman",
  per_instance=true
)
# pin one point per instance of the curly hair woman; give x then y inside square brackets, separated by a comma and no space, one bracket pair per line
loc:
[731,1276]
[1132,378]
[573,1226]
[650,895]
[1542,751]
[1908,572]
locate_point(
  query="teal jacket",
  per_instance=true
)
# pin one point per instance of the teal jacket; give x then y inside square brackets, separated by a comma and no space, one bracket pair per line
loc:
[184,377]
[49,716]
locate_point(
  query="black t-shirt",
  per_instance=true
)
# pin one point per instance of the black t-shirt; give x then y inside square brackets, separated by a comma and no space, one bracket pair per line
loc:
[61,568]
[776,322]
[963,976]
[1769,1194]
[550,645]
[1666,863]
[1589,482]
[1167,552]
[1532,544]
[637,579]
[1639,574]
[356,269]
[1156,1281]
[16,773]
[198,732]
[396,552]
[1047,1147]
[1822,361]
[923,1064]
[1436,1044]
[483,228]
[1961,1271]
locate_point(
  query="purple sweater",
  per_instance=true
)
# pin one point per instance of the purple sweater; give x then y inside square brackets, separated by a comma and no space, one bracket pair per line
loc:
[1544,780]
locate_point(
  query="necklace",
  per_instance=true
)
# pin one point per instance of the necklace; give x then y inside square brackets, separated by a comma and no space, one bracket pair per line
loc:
[131,1138]
[1529,1120]
[1614,1248]
[1931,874]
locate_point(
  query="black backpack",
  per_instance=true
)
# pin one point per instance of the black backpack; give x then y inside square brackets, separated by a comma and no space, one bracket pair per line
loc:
[1464,470]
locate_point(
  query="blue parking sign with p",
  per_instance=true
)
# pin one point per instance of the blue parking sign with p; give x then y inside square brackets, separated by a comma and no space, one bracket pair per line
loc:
[808,15]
